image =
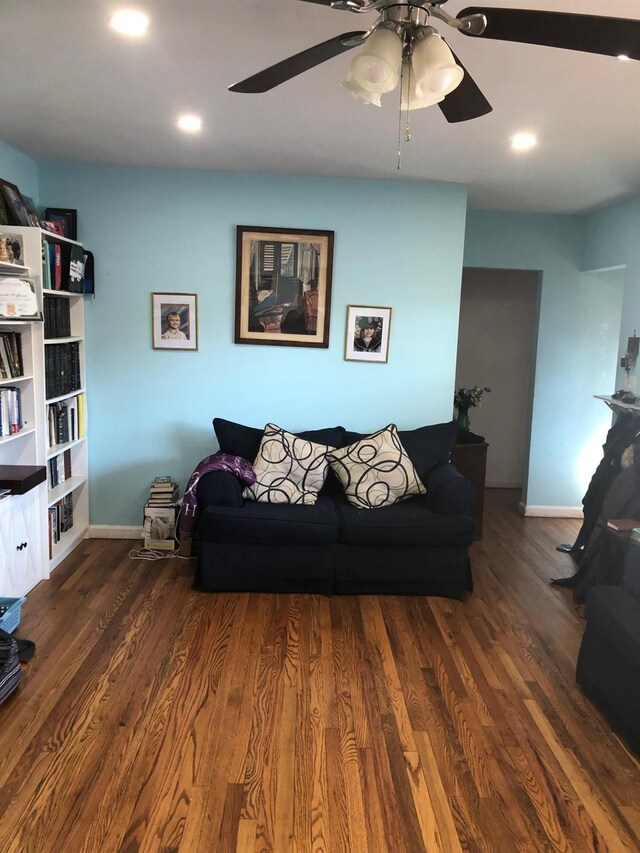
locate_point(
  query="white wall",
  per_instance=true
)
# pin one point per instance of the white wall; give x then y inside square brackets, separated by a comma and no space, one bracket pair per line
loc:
[496,348]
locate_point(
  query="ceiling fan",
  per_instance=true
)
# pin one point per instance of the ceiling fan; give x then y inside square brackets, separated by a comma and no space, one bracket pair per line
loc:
[402,44]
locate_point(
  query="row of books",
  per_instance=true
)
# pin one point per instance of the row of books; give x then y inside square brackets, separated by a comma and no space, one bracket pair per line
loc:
[10,410]
[62,266]
[60,520]
[57,318]
[65,420]
[62,369]
[11,365]
[59,469]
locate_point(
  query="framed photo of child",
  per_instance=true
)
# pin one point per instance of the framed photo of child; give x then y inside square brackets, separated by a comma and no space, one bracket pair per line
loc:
[175,320]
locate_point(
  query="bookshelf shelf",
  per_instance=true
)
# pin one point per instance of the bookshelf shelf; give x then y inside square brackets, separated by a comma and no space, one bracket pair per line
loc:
[13,269]
[65,489]
[62,340]
[66,396]
[16,380]
[59,520]
[55,449]
[22,434]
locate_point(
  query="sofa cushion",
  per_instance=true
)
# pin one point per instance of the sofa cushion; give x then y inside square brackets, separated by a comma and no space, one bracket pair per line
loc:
[408,523]
[288,469]
[427,446]
[376,471]
[271,524]
[240,440]
[615,615]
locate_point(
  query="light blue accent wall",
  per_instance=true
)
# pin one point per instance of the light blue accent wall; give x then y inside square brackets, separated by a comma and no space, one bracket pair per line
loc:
[20,170]
[612,238]
[579,320]
[397,244]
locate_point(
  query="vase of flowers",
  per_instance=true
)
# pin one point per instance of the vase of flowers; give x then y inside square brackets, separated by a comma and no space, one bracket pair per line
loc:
[465,399]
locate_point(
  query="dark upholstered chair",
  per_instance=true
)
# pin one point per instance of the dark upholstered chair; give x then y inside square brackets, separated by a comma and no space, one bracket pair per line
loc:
[609,659]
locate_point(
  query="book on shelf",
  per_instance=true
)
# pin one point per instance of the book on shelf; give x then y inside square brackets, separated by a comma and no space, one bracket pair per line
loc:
[623,525]
[11,351]
[62,369]
[76,269]
[57,318]
[10,410]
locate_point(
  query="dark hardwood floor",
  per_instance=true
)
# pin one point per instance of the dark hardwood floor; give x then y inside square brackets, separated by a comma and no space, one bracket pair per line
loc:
[155,718]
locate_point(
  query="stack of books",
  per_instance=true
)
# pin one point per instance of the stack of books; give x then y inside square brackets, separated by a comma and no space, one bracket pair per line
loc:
[163,492]
[159,524]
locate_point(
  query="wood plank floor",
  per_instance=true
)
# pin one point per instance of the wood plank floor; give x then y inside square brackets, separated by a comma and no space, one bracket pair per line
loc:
[155,718]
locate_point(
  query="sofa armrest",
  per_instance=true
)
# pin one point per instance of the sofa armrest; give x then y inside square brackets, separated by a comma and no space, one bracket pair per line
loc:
[219,488]
[631,579]
[448,492]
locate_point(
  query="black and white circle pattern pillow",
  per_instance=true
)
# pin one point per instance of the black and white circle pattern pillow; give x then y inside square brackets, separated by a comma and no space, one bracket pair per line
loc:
[289,469]
[376,471]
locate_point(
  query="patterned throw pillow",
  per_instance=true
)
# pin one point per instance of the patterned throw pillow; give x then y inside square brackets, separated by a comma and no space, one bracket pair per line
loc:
[289,470]
[376,471]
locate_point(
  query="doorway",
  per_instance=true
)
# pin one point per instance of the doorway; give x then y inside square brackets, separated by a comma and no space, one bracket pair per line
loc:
[496,348]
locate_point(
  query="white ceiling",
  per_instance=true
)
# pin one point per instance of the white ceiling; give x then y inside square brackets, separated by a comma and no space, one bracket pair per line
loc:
[71,89]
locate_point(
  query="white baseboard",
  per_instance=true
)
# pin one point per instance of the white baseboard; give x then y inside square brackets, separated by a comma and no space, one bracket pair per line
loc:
[550,511]
[112,531]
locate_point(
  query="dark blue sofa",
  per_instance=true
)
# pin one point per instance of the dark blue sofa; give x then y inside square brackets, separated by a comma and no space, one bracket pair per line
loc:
[416,547]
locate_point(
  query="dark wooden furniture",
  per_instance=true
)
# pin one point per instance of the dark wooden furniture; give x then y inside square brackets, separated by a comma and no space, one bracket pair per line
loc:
[21,478]
[471,461]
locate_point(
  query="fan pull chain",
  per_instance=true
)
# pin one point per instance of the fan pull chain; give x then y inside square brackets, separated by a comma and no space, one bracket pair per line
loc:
[407,127]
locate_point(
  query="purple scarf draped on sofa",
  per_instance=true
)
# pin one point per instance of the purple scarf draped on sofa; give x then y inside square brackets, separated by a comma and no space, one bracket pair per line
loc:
[216,462]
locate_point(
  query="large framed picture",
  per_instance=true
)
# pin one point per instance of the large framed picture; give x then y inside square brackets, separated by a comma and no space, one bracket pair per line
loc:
[17,211]
[367,334]
[175,320]
[283,286]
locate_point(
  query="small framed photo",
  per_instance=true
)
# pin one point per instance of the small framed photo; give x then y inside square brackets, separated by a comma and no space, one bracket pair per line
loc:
[175,320]
[367,334]
[283,286]
[66,218]
[17,211]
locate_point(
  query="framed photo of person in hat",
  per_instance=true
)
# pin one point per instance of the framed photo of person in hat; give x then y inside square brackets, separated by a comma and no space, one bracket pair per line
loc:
[367,334]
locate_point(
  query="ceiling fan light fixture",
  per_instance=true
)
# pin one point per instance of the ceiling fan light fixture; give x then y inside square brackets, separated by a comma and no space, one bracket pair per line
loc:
[434,67]
[411,100]
[359,94]
[376,68]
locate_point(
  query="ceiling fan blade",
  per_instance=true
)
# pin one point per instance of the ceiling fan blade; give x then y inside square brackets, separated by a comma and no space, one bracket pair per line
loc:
[466,101]
[294,65]
[587,33]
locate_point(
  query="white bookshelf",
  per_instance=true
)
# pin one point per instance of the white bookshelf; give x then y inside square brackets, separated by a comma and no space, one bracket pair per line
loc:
[32,445]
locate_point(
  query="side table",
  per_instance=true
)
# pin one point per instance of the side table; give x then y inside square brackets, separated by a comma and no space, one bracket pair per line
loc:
[471,461]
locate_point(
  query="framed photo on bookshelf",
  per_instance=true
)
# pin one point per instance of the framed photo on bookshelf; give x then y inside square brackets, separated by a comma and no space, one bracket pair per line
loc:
[15,205]
[175,320]
[67,219]
[283,286]
[367,334]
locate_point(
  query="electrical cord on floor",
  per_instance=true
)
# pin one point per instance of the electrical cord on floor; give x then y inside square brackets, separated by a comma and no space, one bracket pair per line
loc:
[153,554]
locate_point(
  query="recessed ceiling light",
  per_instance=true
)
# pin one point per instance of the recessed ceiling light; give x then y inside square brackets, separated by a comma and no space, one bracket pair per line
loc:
[523,141]
[130,22]
[190,123]
[623,57]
